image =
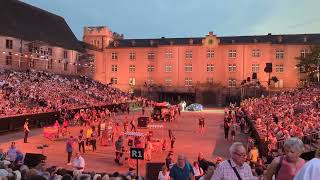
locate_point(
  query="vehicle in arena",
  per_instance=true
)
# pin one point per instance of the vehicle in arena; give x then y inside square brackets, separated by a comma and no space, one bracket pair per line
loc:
[161,111]
[194,107]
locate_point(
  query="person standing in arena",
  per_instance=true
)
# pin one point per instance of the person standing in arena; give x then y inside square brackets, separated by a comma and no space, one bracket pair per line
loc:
[26,131]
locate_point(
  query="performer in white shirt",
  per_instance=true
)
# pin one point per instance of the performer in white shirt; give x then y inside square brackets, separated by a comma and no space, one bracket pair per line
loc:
[78,163]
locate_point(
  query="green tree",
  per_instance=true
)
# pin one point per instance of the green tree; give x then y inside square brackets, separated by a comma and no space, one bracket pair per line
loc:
[310,63]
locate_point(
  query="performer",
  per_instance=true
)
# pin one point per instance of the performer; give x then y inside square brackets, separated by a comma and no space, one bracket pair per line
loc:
[173,140]
[201,124]
[26,130]
[133,126]
[81,139]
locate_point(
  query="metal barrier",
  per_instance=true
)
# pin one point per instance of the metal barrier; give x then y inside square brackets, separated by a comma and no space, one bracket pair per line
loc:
[47,119]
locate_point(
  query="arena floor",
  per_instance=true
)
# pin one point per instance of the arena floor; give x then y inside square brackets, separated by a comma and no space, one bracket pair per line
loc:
[188,142]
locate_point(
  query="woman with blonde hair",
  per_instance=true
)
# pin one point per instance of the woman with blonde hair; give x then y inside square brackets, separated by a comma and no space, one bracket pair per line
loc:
[287,166]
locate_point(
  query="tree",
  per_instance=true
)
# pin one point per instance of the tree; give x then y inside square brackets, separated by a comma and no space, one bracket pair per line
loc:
[309,63]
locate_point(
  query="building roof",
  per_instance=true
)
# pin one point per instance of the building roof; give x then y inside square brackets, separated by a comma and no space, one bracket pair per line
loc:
[21,20]
[269,38]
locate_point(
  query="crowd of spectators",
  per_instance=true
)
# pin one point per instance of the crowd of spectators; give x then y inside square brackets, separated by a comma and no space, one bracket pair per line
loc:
[34,92]
[286,114]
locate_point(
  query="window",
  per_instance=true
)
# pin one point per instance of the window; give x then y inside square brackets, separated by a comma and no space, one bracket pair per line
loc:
[65,54]
[132,81]
[168,54]
[210,67]
[232,68]
[50,63]
[50,51]
[279,54]
[9,59]
[114,68]
[188,54]
[9,44]
[168,68]
[150,81]
[114,56]
[168,82]
[151,55]
[132,68]
[255,68]
[114,80]
[188,81]
[210,53]
[303,53]
[255,52]
[210,80]
[232,53]
[132,55]
[279,84]
[188,68]
[150,68]
[31,63]
[65,66]
[279,68]
[231,83]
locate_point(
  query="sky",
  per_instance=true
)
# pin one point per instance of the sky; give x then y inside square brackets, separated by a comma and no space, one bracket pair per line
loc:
[188,18]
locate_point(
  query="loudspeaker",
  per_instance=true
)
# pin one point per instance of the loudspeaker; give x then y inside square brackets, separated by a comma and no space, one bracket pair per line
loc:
[143,121]
[153,169]
[32,160]
[254,76]
[248,79]
[268,68]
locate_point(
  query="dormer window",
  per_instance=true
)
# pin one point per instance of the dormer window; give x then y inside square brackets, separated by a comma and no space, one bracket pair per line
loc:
[191,41]
[279,39]
[151,42]
[305,39]
[133,43]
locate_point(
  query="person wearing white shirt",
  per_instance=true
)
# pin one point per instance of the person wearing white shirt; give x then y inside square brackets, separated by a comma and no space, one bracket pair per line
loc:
[310,170]
[164,173]
[78,163]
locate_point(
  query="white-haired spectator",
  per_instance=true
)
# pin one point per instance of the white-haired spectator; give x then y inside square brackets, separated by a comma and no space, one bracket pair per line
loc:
[287,166]
[234,168]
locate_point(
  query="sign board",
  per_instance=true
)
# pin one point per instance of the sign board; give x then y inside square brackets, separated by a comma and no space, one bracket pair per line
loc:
[137,153]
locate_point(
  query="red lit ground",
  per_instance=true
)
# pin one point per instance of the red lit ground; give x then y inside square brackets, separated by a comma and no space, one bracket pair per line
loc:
[188,142]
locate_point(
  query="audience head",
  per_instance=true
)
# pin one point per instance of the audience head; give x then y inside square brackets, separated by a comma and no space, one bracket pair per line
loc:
[238,153]
[293,148]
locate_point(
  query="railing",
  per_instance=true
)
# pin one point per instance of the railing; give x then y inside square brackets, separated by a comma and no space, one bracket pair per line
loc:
[46,119]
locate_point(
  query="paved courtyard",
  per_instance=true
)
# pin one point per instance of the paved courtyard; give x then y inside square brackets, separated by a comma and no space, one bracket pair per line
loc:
[188,142]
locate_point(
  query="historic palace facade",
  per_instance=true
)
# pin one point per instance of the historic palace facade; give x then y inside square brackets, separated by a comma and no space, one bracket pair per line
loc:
[191,64]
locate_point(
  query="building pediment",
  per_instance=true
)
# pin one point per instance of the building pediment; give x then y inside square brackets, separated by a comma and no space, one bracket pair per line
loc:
[211,40]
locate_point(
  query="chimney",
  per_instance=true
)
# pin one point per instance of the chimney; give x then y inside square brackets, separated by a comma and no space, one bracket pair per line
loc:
[269,34]
[210,33]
